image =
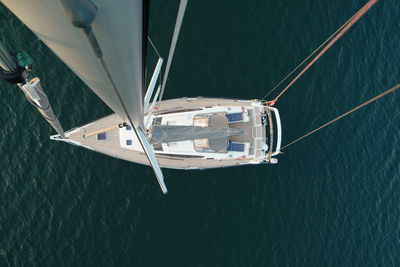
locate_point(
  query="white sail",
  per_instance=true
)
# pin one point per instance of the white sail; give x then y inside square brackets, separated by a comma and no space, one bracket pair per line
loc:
[105,49]
[118,27]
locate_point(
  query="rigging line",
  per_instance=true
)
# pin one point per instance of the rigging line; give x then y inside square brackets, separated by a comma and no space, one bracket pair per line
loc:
[154,47]
[358,15]
[344,114]
[307,58]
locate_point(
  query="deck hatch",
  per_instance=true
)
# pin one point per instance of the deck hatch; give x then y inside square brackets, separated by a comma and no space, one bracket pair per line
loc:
[234,117]
[232,146]
[102,136]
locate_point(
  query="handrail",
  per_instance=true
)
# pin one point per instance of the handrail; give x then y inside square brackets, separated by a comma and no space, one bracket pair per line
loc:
[279,131]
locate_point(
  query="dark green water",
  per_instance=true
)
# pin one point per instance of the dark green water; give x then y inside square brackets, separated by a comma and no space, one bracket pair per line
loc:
[333,199]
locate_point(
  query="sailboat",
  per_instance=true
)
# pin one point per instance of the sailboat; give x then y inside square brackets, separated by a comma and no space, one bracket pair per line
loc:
[104,42]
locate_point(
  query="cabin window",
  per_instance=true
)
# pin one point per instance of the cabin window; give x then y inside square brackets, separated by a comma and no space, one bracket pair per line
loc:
[158,120]
[238,147]
[157,147]
[172,122]
[234,117]
[128,127]
[102,136]
[172,144]
[128,142]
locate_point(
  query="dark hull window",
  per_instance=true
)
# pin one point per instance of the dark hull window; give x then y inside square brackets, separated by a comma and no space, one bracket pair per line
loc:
[102,136]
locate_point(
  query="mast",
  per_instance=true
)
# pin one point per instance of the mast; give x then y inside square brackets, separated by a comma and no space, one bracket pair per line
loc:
[177,29]
[103,43]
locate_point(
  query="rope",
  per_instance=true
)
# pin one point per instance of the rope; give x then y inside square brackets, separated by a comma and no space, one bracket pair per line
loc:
[352,21]
[154,47]
[345,114]
[307,58]
[102,130]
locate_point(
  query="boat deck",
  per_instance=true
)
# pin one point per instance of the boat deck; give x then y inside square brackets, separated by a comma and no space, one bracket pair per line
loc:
[87,136]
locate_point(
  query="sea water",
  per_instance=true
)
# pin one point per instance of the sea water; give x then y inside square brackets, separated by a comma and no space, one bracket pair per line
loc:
[333,199]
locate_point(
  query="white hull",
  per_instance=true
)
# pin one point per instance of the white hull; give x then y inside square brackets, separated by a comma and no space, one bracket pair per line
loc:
[247,135]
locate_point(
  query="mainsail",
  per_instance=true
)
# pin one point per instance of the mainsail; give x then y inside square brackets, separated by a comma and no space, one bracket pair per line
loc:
[108,53]
[118,27]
